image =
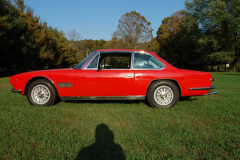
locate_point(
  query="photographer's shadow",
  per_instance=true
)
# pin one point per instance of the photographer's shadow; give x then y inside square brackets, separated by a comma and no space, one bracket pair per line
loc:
[103,148]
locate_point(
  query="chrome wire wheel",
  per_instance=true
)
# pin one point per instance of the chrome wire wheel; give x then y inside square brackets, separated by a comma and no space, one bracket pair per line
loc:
[40,94]
[163,95]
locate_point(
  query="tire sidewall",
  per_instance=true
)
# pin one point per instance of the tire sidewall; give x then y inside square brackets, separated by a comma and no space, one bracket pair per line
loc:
[48,84]
[154,86]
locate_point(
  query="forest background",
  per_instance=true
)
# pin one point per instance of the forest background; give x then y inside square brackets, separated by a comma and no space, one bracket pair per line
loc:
[206,32]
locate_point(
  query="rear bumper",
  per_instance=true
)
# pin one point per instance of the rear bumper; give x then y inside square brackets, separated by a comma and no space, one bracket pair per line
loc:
[206,88]
[16,91]
[214,92]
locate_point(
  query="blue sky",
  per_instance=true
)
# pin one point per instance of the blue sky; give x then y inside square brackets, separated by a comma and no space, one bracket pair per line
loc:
[98,19]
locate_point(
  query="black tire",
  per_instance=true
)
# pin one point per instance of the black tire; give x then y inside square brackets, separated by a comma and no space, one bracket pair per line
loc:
[157,99]
[47,93]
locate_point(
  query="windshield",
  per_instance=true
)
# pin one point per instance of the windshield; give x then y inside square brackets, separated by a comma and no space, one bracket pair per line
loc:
[80,65]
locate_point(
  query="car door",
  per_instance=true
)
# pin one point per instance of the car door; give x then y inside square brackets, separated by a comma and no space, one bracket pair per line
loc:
[107,74]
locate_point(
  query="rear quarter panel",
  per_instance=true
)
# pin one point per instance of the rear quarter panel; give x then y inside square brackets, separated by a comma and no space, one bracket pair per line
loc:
[185,78]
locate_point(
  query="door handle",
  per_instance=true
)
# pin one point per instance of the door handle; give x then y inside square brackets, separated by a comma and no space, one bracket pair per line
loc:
[128,75]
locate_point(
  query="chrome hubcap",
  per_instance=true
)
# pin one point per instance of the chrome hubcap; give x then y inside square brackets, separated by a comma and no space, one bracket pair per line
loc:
[40,94]
[163,95]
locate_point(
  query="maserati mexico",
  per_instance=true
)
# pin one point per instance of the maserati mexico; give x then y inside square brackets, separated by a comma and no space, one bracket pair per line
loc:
[114,74]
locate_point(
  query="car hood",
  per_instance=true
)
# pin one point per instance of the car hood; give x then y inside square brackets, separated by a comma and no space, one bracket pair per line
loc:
[48,71]
[50,74]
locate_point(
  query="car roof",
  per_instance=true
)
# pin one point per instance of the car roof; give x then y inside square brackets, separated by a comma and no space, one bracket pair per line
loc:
[141,51]
[126,50]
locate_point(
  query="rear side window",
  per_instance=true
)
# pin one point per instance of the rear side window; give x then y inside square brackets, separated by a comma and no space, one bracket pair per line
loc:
[115,60]
[146,61]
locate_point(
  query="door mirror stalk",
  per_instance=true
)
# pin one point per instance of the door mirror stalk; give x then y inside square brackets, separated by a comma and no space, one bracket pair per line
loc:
[98,69]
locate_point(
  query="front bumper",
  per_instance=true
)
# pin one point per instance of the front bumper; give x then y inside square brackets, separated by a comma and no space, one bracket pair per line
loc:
[16,91]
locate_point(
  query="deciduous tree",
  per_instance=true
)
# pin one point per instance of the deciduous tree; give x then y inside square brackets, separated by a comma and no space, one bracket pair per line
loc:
[115,43]
[177,44]
[219,24]
[27,44]
[74,37]
[133,28]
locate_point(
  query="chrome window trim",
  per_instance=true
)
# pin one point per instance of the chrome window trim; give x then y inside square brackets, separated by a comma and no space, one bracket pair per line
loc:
[164,66]
[132,60]
[87,61]
[130,52]
[85,68]
[113,69]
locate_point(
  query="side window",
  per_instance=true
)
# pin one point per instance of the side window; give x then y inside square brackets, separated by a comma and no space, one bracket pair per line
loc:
[146,61]
[93,63]
[115,60]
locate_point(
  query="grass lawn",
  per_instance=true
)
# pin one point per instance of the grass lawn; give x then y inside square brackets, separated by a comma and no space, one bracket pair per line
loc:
[206,127]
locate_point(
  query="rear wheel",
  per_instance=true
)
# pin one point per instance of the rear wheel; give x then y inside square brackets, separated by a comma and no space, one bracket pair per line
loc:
[163,94]
[41,92]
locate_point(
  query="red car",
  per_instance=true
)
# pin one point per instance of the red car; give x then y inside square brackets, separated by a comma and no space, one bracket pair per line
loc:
[110,74]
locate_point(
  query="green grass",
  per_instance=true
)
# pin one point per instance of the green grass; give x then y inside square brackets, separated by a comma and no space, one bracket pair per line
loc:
[206,127]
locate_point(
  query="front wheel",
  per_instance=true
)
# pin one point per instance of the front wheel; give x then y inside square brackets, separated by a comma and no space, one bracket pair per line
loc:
[163,94]
[41,92]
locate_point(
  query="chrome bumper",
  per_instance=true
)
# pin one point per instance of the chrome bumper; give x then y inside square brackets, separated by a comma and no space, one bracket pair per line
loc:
[209,93]
[16,91]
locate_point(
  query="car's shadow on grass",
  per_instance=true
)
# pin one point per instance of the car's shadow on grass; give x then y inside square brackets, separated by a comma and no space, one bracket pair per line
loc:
[187,98]
[123,101]
[108,101]
[104,146]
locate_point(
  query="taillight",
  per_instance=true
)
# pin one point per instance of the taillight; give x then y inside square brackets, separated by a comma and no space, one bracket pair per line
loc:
[212,79]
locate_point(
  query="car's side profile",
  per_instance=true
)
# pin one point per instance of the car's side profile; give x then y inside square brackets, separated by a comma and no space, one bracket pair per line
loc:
[111,74]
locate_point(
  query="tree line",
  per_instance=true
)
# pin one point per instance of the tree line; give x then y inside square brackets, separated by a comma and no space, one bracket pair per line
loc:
[26,43]
[205,30]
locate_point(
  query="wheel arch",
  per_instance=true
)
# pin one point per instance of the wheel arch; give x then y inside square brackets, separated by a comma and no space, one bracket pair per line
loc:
[172,80]
[36,78]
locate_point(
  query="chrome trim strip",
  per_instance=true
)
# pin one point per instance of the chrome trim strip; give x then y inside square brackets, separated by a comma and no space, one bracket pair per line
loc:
[147,69]
[132,60]
[104,98]
[204,88]
[95,69]
[209,93]
[16,91]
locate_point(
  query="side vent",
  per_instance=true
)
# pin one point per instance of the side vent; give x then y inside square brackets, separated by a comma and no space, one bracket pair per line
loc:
[61,85]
